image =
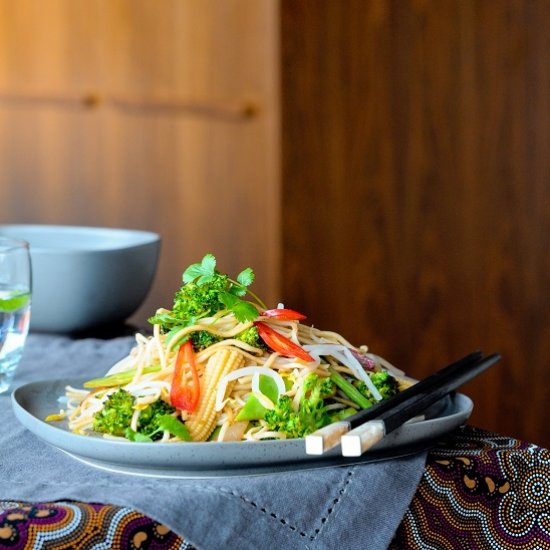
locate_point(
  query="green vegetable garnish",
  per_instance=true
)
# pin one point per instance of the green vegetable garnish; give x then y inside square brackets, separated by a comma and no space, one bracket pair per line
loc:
[116,414]
[132,435]
[206,292]
[118,378]
[358,391]
[384,382]
[253,408]
[251,337]
[268,387]
[215,433]
[150,418]
[115,417]
[175,427]
[167,423]
[350,390]
[311,414]
[342,414]
[201,339]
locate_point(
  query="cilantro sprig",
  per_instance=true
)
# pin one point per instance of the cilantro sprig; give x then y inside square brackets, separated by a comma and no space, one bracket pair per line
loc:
[202,272]
[205,272]
[206,292]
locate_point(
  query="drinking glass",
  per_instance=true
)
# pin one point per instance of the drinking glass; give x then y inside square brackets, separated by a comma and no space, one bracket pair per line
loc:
[15,305]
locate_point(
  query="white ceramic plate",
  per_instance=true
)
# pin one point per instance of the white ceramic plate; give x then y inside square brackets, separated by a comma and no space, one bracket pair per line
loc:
[35,401]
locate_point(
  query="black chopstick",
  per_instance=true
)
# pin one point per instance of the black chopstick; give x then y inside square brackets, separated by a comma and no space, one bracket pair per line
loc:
[324,439]
[364,436]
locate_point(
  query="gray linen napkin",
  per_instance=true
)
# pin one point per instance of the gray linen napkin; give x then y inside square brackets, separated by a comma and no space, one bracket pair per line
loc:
[352,507]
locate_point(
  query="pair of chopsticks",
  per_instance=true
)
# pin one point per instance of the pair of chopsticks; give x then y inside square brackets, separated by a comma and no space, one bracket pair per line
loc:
[361,431]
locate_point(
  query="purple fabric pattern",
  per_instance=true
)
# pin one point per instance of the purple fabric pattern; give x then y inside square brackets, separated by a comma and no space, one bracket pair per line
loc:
[480,491]
[69,525]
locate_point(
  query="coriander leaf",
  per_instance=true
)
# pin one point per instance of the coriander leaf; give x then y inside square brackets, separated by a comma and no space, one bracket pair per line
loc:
[209,263]
[202,280]
[237,290]
[192,272]
[174,426]
[228,300]
[246,277]
[132,435]
[163,319]
[203,271]
[244,311]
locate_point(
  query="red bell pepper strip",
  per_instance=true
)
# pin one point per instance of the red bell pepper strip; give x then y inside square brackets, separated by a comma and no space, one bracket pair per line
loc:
[281,344]
[284,314]
[185,396]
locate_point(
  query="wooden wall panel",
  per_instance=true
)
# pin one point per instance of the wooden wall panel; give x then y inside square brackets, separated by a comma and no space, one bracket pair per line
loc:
[415,155]
[182,154]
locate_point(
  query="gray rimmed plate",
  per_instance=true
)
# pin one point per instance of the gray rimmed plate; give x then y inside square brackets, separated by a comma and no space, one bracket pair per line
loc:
[33,402]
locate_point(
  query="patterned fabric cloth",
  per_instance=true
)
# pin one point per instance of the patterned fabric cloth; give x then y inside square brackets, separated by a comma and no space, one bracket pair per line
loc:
[479,491]
[76,525]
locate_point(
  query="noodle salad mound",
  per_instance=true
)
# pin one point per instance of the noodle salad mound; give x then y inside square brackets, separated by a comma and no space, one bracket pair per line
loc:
[222,366]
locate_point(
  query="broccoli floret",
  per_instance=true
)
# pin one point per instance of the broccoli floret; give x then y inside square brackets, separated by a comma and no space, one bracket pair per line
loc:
[316,388]
[385,383]
[284,419]
[148,423]
[201,339]
[251,337]
[311,414]
[116,414]
[193,301]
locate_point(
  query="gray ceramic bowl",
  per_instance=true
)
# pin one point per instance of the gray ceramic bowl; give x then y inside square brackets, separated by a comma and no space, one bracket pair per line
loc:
[85,277]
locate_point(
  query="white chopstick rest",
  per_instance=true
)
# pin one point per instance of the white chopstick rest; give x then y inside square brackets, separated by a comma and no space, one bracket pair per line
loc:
[362,438]
[326,438]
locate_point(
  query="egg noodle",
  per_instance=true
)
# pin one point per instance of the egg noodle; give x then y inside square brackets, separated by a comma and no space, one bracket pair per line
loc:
[149,372]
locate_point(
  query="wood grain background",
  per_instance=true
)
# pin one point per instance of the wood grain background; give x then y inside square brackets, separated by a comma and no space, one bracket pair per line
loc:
[383,164]
[416,153]
[182,155]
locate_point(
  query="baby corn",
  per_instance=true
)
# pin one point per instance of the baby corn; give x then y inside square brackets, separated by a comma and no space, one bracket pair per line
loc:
[201,423]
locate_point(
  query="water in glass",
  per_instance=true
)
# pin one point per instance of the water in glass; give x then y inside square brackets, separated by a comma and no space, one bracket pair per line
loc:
[15,303]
